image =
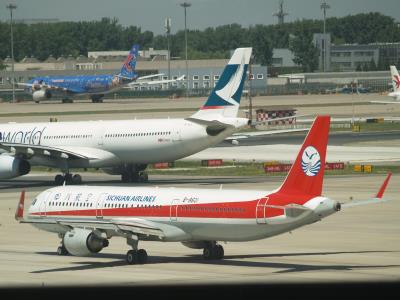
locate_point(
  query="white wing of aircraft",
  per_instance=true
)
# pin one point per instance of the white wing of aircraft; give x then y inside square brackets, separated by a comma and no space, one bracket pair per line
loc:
[245,135]
[140,81]
[86,217]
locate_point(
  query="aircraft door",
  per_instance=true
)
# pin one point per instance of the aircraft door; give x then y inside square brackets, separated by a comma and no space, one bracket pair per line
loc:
[176,136]
[43,204]
[173,211]
[261,217]
[100,134]
[100,204]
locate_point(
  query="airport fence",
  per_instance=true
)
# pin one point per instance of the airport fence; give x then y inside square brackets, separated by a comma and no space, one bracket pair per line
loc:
[373,85]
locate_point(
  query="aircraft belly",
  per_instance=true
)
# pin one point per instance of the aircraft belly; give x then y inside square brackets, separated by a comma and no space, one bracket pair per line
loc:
[237,229]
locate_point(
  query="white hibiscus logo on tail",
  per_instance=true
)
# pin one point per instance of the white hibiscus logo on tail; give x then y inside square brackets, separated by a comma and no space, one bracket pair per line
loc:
[310,161]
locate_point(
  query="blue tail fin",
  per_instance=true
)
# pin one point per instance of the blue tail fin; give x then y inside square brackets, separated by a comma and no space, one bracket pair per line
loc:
[128,68]
[225,97]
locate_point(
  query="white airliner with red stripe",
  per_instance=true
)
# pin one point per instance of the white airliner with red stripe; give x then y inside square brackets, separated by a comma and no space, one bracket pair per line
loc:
[85,217]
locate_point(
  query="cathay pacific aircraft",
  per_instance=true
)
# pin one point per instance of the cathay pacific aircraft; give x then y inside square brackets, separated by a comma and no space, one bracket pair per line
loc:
[126,147]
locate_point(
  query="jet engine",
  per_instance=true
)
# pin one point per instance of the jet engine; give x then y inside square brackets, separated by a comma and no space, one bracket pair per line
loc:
[11,167]
[41,95]
[83,242]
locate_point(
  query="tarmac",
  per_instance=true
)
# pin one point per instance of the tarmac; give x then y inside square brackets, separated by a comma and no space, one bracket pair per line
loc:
[359,244]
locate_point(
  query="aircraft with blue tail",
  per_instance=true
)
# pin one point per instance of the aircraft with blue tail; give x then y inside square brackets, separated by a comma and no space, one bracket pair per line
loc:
[96,86]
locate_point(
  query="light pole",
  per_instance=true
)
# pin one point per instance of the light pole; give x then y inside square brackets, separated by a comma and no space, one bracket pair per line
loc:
[185,5]
[168,31]
[324,7]
[250,80]
[11,7]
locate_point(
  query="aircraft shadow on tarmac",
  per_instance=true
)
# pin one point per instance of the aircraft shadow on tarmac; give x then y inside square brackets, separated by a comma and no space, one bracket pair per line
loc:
[229,260]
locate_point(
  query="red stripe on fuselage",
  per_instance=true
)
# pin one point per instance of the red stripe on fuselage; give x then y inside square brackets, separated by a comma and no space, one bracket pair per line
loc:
[234,210]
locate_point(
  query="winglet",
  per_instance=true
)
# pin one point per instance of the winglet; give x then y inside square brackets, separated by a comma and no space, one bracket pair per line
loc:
[19,213]
[379,195]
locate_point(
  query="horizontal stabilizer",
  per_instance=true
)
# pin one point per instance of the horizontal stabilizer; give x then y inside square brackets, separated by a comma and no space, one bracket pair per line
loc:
[377,199]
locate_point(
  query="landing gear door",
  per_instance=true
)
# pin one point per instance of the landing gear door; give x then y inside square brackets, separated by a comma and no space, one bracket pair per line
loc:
[261,217]
[100,205]
[173,211]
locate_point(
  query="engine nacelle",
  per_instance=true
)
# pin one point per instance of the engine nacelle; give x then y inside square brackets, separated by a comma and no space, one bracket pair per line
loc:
[196,244]
[41,95]
[83,242]
[11,167]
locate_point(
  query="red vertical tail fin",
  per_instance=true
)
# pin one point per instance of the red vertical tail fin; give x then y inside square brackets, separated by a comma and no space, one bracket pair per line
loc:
[307,172]
[19,213]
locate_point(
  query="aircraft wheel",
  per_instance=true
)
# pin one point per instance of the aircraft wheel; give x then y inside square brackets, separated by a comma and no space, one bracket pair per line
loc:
[141,256]
[77,179]
[143,177]
[207,253]
[219,252]
[132,257]
[68,178]
[62,251]
[59,179]
[124,177]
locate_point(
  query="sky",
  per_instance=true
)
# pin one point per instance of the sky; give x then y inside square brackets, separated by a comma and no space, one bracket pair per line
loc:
[150,14]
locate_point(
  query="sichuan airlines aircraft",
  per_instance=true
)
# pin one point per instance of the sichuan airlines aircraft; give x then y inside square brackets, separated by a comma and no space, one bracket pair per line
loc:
[125,147]
[86,217]
[396,87]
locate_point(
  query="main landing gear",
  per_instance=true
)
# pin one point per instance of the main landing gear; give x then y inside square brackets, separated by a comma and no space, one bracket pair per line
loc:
[135,177]
[134,173]
[97,98]
[61,250]
[68,178]
[135,256]
[67,100]
[213,251]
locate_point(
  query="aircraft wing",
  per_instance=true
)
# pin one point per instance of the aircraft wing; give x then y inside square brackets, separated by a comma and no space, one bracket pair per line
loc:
[66,152]
[152,82]
[377,199]
[131,226]
[385,102]
[245,135]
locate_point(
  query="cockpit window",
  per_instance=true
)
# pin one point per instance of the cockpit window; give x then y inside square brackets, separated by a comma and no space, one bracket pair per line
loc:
[34,201]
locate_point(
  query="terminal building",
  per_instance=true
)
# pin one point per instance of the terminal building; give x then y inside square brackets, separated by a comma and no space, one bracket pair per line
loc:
[344,57]
[203,74]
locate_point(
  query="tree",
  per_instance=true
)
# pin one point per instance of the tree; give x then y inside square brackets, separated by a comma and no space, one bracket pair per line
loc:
[261,44]
[305,53]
